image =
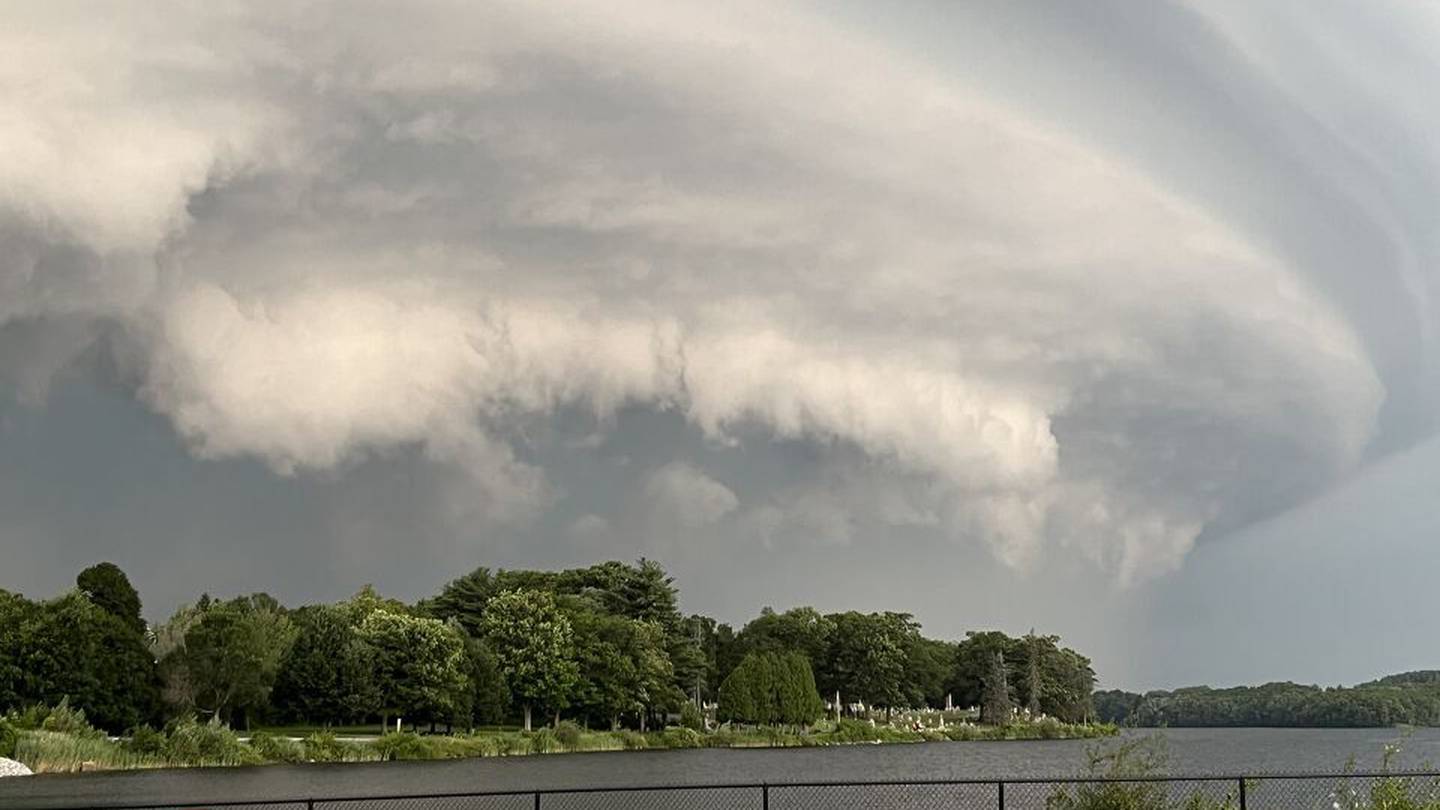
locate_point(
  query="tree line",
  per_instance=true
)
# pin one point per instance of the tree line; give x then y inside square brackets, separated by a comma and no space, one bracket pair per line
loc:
[604,646]
[1407,699]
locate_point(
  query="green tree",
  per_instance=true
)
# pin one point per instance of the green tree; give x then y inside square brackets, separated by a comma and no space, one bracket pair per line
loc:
[771,687]
[1033,683]
[16,612]
[745,693]
[928,668]
[799,703]
[71,648]
[420,665]
[464,600]
[802,629]
[108,587]
[327,675]
[623,667]
[488,699]
[995,705]
[866,660]
[231,656]
[535,648]
[973,658]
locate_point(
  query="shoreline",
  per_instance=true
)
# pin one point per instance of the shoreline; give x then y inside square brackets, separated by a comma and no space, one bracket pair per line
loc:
[46,752]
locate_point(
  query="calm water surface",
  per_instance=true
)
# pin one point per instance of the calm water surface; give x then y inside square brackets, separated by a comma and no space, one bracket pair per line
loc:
[1193,751]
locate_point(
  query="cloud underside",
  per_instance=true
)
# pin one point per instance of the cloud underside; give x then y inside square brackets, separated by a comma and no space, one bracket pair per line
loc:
[316,234]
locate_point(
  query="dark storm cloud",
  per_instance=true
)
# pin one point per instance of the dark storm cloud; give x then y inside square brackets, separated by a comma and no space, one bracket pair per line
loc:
[387,293]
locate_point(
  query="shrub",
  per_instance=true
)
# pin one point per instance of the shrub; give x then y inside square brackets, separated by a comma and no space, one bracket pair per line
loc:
[677,737]
[64,720]
[390,747]
[690,717]
[631,740]
[30,718]
[322,746]
[512,744]
[1133,758]
[189,742]
[53,752]
[854,731]
[272,748]
[9,735]
[569,735]
[544,741]
[146,741]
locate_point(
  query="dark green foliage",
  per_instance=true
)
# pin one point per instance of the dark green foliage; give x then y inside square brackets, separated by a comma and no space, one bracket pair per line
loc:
[691,718]
[682,738]
[803,630]
[769,687]
[623,666]
[189,742]
[488,700]
[71,648]
[404,746]
[323,746]
[272,748]
[928,667]
[1033,684]
[327,675]
[799,703]
[1064,679]
[230,657]
[108,587]
[1115,705]
[1289,704]
[602,645]
[867,659]
[641,592]
[995,704]
[420,665]
[146,741]
[569,735]
[9,735]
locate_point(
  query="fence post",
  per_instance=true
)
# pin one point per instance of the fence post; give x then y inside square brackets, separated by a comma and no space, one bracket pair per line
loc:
[765,797]
[309,804]
[537,800]
[1242,793]
[1001,787]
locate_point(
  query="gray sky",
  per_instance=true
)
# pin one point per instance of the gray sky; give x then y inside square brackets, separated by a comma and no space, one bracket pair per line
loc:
[1110,320]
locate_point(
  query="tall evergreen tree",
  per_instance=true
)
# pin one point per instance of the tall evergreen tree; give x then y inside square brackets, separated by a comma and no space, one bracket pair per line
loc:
[995,705]
[1033,684]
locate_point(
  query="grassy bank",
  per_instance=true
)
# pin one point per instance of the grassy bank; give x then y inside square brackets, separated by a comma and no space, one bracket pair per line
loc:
[64,743]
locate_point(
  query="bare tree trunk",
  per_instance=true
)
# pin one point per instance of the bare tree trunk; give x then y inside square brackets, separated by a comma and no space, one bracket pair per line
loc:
[557,719]
[527,716]
[615,723]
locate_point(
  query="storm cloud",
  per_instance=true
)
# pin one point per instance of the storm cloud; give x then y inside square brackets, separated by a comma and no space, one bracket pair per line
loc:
[1086,284]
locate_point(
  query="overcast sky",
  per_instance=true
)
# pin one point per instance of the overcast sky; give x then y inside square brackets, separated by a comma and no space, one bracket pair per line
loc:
[1114,320]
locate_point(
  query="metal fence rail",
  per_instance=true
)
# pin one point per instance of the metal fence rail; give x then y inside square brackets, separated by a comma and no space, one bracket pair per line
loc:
[1310,791]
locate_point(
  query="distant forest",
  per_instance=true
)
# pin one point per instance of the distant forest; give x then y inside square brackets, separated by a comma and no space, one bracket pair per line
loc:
[1409,698]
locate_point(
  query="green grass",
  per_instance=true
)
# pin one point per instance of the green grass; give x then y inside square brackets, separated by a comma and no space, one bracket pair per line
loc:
[64,742]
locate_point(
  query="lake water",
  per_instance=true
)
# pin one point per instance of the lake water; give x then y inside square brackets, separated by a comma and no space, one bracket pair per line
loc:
[1192,752]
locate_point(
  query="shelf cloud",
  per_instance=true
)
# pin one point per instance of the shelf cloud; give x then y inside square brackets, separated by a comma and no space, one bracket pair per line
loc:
[983,293]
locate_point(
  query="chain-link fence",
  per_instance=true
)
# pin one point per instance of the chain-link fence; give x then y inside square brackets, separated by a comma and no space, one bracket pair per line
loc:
[1352,791]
